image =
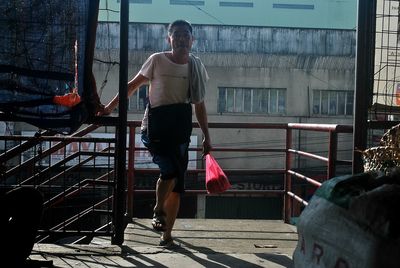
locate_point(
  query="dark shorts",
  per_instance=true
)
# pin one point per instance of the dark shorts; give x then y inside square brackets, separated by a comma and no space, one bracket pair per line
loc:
[172,161]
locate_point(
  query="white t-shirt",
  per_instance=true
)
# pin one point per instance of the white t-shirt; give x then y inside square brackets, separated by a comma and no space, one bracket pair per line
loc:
[169,81]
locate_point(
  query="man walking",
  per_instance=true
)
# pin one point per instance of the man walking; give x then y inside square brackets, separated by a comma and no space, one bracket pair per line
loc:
[177,80]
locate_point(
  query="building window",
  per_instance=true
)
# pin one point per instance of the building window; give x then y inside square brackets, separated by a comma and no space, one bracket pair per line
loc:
[333,102]
[235,4]
[186,2]
[293,6]
[251,100]
[138,1]
[138,101]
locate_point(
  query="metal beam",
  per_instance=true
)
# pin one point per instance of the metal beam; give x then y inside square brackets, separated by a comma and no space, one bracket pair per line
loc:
[364,78]
[121,131]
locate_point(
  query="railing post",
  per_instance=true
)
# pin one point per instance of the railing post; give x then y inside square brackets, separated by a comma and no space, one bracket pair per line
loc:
[287,202]
[131,171]
[332,154]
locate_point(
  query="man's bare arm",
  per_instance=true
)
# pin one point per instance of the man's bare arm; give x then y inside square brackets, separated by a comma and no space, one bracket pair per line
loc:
[201,115]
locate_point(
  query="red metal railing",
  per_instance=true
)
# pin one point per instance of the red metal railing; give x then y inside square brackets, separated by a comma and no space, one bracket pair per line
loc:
[330,160]
[60,188]
[63,174]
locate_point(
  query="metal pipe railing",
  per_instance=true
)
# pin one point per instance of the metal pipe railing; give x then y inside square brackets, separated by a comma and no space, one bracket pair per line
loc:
[287,151]
[61,181]
[287,204]
[63,141]
[330,160]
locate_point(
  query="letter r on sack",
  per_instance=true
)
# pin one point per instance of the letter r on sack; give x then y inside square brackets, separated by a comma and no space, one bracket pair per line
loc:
[317,252]
[341,263]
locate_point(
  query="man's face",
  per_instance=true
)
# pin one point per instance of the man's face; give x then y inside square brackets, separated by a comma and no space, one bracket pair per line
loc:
[181,39]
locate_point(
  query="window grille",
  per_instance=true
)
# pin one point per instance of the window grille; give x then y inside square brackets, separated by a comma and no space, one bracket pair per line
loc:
[251,100]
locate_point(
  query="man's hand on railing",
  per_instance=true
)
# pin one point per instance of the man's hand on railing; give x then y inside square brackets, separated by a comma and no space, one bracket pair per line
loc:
[104,110]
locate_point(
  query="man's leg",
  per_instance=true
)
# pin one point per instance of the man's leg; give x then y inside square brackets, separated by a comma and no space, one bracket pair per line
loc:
[171,207]
[163,190]
[169,187]
[172,203]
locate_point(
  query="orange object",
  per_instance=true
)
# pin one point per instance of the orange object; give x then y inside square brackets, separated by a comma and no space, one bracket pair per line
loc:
[68,100]
[73,98]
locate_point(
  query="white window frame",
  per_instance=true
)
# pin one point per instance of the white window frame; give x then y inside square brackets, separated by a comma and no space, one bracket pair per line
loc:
[317,96]
[223,91]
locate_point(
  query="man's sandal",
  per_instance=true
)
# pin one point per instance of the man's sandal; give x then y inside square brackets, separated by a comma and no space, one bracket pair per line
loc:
[158,222]
[168,243]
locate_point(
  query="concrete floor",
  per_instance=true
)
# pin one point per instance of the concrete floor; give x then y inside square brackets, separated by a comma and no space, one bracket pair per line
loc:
[201,243]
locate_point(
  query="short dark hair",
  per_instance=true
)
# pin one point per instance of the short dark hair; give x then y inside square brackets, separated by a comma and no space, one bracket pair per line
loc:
[179,23]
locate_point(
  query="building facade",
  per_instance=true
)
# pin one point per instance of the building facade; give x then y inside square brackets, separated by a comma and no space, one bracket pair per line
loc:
[261,71]
[268,62]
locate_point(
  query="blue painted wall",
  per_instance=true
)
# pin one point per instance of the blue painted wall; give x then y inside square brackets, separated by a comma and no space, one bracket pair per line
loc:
[324,14]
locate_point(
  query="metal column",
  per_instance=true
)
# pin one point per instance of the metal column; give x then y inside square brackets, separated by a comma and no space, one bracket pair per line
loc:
[121,131]
[364,77]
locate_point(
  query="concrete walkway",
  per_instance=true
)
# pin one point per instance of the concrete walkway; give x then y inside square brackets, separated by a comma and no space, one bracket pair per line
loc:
[200,243]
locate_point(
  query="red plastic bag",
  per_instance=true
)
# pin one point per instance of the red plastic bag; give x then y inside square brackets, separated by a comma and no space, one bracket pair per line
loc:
[216,180]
